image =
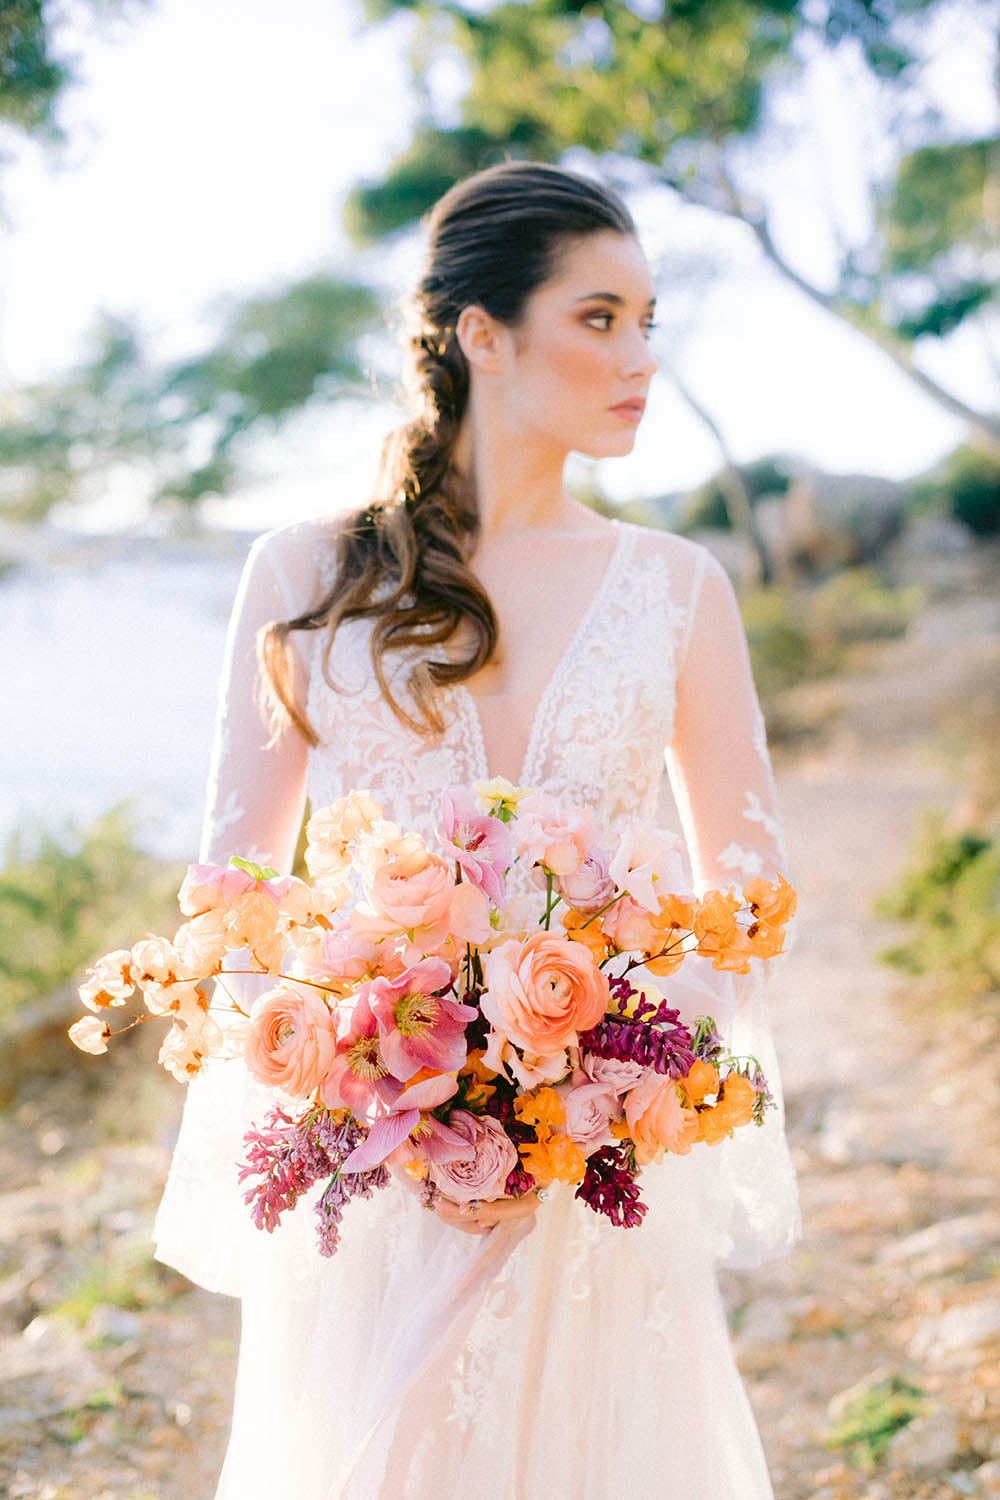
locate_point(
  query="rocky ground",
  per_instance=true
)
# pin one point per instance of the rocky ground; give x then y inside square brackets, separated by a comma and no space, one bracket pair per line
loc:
[116,1376]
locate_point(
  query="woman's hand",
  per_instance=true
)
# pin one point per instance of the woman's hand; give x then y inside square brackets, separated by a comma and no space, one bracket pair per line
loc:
[472,1218]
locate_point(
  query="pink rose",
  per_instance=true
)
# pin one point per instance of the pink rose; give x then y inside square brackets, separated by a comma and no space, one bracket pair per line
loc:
[589,1108]
[542,992]
[590,886]
[290,1042]
[554,836]
[657,1120]
[483,1175]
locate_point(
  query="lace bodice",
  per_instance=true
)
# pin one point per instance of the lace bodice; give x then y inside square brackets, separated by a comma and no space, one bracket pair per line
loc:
[657,665]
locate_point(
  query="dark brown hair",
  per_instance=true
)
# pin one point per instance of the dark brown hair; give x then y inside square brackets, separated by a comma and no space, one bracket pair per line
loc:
[402,561]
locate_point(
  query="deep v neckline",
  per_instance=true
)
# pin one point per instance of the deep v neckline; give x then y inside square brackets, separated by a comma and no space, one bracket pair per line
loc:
[469,707]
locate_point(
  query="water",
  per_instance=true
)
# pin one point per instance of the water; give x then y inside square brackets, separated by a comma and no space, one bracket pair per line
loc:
[109,662]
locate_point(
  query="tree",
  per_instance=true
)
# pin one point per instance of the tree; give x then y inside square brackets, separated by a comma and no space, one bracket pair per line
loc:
[671,94]
[187,423]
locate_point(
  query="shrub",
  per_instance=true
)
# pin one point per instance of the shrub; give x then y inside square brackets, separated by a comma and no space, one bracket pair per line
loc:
[856,605]
[949,897]
[965,485]
[781,652]
[64,900]
[869,1415]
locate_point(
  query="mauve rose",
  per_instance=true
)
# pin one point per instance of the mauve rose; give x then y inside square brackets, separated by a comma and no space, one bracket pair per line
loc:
[483,1175]
[291,1041]
[615,1073]
[542,992]
[589,1108]
[590,886]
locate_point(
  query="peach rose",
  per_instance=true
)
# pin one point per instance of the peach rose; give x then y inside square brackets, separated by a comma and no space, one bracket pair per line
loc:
[542,992]
[629,927]
[657,1119]
[412,890]
[291,1040]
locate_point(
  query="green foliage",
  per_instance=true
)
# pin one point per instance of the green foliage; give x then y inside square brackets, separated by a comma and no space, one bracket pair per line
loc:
[965,485]
[66,900]
[273,355]
[856,605]
[122,1275]
[949,898]
[871,1414]
[705,507]
[780,650]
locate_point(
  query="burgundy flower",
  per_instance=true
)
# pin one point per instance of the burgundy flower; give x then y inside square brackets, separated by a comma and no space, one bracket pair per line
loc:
[610,1188]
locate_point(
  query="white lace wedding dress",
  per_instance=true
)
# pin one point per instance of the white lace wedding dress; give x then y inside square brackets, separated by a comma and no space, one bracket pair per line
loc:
[571,1360]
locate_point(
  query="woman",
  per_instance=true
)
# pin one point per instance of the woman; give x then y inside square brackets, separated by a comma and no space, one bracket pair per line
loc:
[475,621]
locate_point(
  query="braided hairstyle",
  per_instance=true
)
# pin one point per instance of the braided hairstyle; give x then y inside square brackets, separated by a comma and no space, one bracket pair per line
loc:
[402,561]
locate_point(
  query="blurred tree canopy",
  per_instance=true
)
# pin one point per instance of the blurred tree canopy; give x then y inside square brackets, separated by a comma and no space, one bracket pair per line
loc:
[184,420]
[34,69]
[680,90]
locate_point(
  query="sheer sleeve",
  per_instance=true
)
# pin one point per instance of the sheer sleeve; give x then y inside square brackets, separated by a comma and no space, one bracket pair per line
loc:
[718,763]
[254,808]
[722,782]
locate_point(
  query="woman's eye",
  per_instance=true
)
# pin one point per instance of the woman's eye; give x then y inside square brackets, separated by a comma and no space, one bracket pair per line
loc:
[602,321]
[648,329]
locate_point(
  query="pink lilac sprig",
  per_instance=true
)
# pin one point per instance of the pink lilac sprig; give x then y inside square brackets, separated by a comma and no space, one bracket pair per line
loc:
[290,1156]
[343,1186]
[609,1186]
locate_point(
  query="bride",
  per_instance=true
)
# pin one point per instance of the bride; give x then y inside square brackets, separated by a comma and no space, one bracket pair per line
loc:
[474,621]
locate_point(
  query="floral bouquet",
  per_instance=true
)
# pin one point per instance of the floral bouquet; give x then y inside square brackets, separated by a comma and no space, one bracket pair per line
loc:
[425,1016]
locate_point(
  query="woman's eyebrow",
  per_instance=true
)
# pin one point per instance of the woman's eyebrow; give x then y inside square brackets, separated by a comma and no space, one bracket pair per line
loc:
[610,297]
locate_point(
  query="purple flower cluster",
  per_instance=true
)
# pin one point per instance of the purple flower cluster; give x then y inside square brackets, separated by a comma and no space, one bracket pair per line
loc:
[610,1188]
[708,1044]
[660,1042]
[289,1156]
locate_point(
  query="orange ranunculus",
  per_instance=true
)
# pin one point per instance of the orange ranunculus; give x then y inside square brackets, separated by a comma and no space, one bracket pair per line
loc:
[542,992]
[771,903]
[291,1041]
[701,1080]
[657,1119]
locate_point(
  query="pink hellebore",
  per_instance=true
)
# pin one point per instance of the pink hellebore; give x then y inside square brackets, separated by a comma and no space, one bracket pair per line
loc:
[404,1115]
[481,844]
[358,1078]
[419,1028]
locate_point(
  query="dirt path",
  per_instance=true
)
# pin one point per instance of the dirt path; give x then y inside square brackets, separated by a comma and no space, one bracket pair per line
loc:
[117,1377]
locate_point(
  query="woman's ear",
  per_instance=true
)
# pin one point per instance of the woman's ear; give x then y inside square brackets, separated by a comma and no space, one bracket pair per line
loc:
[480,338]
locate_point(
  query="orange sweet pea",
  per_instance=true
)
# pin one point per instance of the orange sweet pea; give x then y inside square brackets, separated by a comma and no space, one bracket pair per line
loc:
[773,904]
[557,1159]
[738,1097]
[701,1080]
[582,929]
[765,941]
[719,935]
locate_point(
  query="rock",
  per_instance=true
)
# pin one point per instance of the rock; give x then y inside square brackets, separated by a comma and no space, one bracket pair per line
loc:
[930,1442]
[958,1333]
[946,1246]
[987,1479]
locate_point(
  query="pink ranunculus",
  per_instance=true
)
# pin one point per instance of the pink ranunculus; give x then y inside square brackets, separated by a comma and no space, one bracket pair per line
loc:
[110,982]
[479,843]
[290,1041]
[657,1120]
[541,992]
[589,1107]
[629,927]
[418,1027]
[485,1174]
[590,886]
[551,835]
[649,863]
[413,891]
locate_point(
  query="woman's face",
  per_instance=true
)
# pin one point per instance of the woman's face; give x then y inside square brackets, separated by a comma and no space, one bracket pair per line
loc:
[579,362]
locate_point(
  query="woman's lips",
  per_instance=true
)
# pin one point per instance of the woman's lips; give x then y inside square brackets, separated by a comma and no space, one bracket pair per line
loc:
[631,410]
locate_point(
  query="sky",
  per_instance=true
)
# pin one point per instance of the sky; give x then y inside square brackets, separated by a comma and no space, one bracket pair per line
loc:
[212,145]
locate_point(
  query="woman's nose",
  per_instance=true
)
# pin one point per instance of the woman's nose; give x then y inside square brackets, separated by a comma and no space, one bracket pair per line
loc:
[639,358]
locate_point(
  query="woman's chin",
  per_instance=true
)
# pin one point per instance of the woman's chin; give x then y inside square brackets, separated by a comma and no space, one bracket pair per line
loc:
[613,445]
